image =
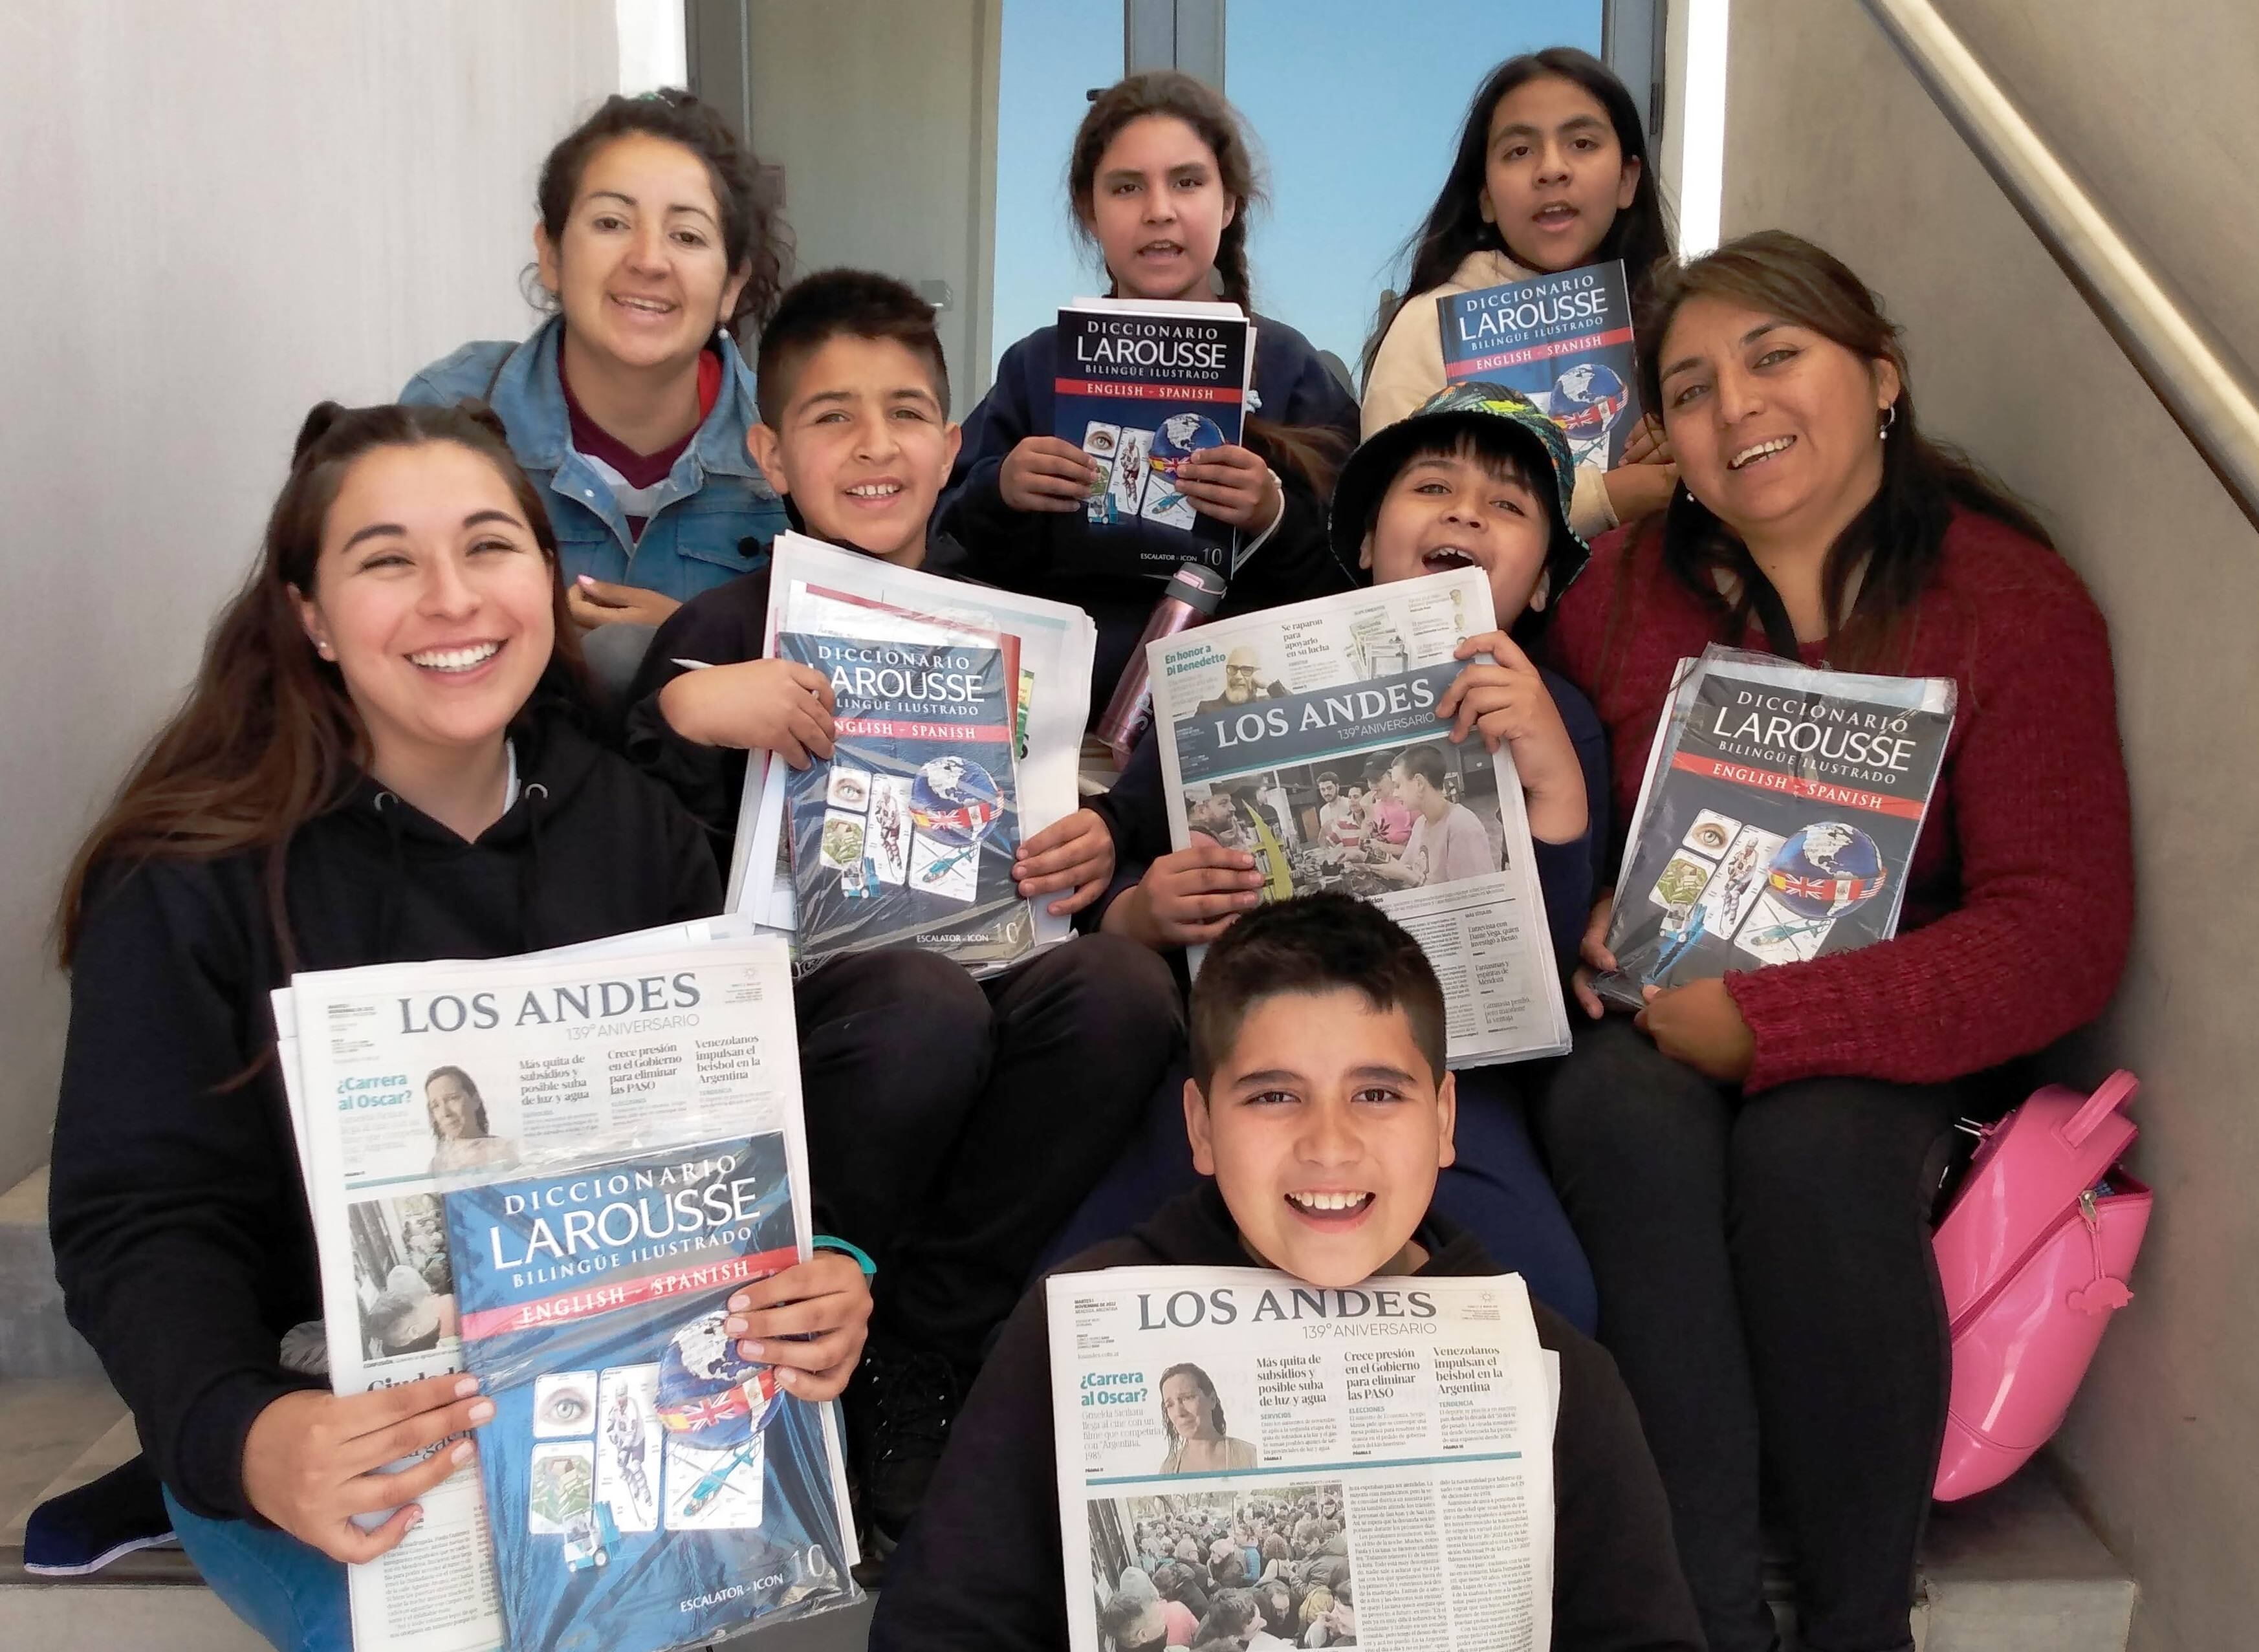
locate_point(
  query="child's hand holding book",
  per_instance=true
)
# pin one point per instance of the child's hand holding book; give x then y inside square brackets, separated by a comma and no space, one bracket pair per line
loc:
[808,1321]
[1046,472]
[758,705]
[1232,485]
[1075,854]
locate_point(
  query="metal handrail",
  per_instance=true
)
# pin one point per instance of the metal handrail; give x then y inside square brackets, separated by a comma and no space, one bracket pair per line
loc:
[2191,372]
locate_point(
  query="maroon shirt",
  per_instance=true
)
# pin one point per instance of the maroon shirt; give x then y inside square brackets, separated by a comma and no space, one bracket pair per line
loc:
[2020,902]
[638,469]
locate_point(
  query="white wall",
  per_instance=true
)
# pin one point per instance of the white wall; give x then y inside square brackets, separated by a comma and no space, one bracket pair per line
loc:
[1830,135]
[215,214]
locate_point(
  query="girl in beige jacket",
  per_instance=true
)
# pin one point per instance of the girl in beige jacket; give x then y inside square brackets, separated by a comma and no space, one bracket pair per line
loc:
[1551,172]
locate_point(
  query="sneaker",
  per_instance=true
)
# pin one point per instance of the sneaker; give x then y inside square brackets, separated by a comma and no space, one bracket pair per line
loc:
[898,1408]
[81,1532]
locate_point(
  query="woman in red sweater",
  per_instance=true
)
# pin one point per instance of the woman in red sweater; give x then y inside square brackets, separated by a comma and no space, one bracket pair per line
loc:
[1749,1162]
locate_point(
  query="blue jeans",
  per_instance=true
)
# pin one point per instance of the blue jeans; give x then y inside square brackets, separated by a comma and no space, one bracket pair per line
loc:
[1498,1190]
[293,1595]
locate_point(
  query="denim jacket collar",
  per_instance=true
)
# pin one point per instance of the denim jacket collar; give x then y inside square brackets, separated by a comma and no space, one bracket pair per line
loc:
[530,398]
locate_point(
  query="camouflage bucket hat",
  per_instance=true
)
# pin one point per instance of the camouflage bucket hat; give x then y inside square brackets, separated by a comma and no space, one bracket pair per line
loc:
[1366,477]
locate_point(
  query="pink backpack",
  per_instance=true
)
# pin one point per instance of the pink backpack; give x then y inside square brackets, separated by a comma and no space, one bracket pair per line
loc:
[2034,1254]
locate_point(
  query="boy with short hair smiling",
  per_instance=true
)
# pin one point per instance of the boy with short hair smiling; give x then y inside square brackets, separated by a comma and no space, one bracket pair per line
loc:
[1320,1105]
[924,1089]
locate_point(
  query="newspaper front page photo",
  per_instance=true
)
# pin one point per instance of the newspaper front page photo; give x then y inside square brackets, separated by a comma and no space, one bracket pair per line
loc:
[1372,1464]
[1306,736]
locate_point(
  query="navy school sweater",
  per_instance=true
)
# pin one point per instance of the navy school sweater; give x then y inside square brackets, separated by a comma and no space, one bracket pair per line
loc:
[181,1236]
[1136,811]
[980,1568]
[1048,553]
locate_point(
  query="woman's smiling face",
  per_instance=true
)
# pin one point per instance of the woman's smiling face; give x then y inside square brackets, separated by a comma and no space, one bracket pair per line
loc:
[639,270]
[434,598]
[1772,422]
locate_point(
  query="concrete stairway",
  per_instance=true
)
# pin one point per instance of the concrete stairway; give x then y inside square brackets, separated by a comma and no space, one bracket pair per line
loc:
[2017,1570]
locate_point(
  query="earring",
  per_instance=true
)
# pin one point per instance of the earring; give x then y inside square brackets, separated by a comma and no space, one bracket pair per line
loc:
[1889,418]
[325,651]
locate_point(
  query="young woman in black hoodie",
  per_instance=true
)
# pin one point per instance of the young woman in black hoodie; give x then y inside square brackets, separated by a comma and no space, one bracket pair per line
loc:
[382,760]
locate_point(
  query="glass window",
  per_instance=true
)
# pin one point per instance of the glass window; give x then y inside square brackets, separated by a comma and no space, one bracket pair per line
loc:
[1356,109]
[1053,52]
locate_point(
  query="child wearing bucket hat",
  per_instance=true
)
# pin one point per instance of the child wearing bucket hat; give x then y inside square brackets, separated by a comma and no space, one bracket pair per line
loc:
[1475,477]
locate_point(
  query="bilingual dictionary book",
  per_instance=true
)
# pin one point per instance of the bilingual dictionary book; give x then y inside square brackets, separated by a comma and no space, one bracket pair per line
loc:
[647,1487]
[1564,341]
[1142,387]
[908,831]
[1778,815]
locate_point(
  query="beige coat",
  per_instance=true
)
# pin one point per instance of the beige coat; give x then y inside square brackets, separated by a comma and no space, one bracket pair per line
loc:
[1409,368]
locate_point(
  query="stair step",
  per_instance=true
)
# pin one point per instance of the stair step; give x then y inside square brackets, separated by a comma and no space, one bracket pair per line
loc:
[36,1341]
[2019,1568]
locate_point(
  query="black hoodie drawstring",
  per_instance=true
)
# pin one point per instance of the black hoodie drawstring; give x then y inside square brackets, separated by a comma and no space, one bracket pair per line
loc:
[396,899]
[529,870]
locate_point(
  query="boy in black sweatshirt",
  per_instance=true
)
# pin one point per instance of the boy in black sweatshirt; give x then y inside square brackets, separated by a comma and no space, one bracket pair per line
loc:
[1317,1073]
[984,1110]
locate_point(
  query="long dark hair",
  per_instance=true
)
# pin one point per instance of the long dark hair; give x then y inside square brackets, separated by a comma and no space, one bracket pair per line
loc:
[1641,235]
[1901,536]
[1315,453]
[754,239]
[270,738]
[1205,1383]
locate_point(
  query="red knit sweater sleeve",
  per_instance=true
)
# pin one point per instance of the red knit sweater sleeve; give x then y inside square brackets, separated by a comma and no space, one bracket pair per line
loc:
[2040,823]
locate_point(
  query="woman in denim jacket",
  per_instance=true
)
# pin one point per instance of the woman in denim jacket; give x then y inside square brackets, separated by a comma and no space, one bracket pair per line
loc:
[629,406]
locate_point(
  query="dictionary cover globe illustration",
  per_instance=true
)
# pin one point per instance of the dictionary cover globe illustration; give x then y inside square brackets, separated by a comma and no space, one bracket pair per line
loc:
[954,800]
[1826,869]
[1179,438]
[1586,400]
[707,1396]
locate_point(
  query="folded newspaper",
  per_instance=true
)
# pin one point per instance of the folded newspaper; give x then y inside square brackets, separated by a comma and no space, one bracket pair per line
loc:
[1308,736]
[949,847]
[1777,820]
[1377,1460]
[415,1085]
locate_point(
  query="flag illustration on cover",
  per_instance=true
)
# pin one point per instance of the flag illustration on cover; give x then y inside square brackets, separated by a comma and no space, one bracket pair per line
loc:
[908,831]
[1778,815]
[1565,341]
[648,1487]
[1141,388]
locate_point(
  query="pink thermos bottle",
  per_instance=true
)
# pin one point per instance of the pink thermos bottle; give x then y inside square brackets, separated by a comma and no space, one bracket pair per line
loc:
[1193,593]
